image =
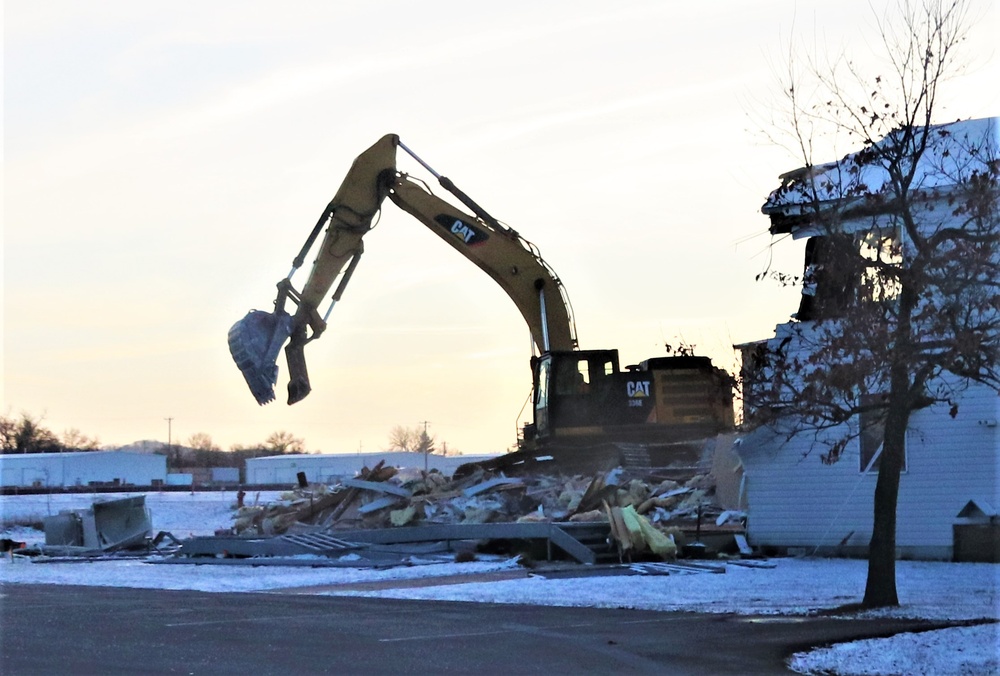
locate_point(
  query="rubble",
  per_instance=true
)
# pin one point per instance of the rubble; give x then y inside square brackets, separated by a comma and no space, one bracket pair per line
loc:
[108,525]
[646,517]
[110,529]
[387,516]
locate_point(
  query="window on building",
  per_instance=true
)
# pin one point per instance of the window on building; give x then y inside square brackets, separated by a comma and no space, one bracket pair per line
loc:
[880,280]
[872,421]
[841,269]
[542,391]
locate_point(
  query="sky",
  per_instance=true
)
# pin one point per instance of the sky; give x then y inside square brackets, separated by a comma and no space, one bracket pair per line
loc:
[164,162]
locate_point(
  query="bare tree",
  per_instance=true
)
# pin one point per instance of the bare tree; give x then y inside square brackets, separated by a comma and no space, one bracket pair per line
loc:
[27,435]
[206,453]
[402,438]
[8,433]
[900,307]
[281,443]
[239,454]
[75,440]
[201,441]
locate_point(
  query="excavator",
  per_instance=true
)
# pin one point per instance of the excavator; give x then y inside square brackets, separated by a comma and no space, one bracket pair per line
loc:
[589,413]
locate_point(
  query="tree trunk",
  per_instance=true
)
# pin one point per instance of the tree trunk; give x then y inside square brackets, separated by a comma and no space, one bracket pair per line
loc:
[880,589]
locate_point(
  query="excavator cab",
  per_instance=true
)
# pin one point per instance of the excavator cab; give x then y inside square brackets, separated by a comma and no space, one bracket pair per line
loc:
[583,397]
[580,392]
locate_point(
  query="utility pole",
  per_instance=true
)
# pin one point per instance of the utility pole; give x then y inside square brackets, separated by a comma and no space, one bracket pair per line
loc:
[170,444]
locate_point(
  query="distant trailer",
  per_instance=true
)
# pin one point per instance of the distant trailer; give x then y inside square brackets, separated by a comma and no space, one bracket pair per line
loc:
[225,475]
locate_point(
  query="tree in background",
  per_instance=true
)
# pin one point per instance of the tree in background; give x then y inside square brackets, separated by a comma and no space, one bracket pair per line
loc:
[74,440]
[8,434]
[26,435]
[414,439]
[904,313]
[403,438]
[284,443]
[240,453]
[278,443]
[204,452]
[425,442]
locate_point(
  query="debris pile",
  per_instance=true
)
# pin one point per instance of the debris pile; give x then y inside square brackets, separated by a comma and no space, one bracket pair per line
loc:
[644,516]
[108,525]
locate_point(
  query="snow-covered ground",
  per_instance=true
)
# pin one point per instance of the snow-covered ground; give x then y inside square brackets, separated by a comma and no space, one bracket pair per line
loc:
[931,590]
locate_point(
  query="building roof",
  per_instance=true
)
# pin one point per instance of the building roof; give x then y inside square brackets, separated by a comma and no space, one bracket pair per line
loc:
[77,454]
[389,456]
[954,152]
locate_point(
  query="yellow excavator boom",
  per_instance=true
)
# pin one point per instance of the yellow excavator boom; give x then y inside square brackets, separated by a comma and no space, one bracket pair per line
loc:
[512,261]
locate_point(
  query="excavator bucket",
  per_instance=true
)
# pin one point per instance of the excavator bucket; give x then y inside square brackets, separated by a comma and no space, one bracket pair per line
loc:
[255,342]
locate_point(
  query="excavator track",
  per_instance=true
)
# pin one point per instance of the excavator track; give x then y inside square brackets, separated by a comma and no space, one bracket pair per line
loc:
[673,459]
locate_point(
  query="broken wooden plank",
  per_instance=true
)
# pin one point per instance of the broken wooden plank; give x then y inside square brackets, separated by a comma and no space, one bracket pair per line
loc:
[491,484]
[596,494]
[571,545]
[619,532]
[317,505]
[378,486]
[381,503]
[351,494]
[751,563]
[742,544]
[483,531]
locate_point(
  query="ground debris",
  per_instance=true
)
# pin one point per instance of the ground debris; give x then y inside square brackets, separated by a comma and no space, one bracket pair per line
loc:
[646,516]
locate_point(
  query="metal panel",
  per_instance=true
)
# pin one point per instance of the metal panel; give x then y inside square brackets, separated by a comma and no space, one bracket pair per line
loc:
[555,533]
[63,529]
[328,544]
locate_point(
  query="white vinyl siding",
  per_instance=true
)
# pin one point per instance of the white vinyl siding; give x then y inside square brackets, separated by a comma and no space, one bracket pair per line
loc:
[794,500]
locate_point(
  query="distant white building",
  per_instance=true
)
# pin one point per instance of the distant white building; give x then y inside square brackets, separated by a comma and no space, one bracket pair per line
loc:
[82,469]
[326,468]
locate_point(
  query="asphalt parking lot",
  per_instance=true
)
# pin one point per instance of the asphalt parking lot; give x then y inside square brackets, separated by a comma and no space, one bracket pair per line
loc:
[48,629]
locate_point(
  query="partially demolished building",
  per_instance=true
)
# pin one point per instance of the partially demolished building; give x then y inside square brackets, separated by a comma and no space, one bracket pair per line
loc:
[952,457]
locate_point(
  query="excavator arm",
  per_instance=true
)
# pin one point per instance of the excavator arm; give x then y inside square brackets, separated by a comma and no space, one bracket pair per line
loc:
[256,340]
[513,262]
